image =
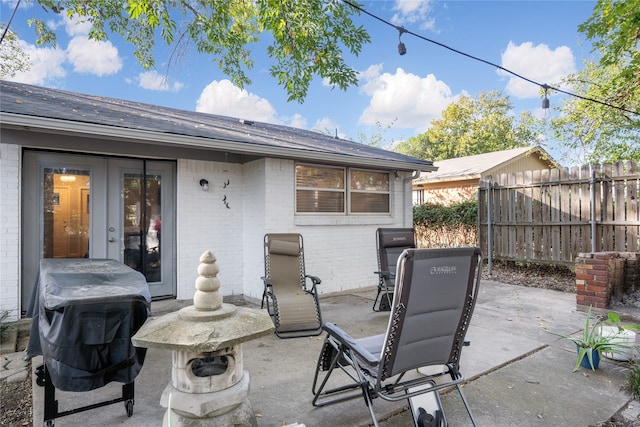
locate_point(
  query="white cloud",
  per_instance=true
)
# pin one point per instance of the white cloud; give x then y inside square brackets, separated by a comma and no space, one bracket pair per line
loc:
[46,65]
[405,99]
[222,97]
[412,12]
[538,63]
[151,80]
[93,57]
[297,121]
[76,26]
[327,126]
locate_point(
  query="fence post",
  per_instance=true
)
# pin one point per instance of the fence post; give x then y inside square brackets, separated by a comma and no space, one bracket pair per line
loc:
[593,209]
[489,228]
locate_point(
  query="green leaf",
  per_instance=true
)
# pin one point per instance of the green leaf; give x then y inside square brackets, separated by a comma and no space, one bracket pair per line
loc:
[308,39]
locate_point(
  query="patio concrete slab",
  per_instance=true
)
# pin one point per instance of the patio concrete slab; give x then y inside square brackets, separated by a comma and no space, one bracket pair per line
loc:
[518,373]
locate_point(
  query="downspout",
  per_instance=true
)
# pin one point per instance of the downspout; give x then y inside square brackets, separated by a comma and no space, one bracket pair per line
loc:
[409,180]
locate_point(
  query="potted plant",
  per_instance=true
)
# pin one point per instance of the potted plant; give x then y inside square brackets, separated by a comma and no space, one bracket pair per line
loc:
[591,344]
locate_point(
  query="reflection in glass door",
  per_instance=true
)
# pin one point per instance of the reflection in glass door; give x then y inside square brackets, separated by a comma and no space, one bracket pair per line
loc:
[140,220]
[66,213]
[142,224]
[77,206]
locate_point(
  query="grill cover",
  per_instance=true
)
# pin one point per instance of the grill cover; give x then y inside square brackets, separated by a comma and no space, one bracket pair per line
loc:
[88,310]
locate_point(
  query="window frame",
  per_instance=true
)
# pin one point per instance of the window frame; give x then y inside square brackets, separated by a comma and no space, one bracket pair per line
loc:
[347,191]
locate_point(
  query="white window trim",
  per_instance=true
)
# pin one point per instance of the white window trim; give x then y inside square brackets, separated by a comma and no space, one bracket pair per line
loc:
[347,194]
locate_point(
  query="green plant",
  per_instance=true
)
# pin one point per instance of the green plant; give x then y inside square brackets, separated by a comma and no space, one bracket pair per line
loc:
[591,340]
[434,215]
[634,378]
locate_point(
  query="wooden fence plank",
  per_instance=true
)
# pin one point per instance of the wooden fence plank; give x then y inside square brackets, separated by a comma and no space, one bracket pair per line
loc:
[619,208]
[555,206]
[504,216]
[633,207]
[576,230]
[536,195]
[528,215]
[565,216]
[597,210]
[495,211]
[546,216]
[586,192]
[482,217]
[510,193]
[521,251]
[545,201]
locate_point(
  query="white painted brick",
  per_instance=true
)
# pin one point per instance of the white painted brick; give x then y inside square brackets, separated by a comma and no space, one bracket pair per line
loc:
[261,195]
[9,229]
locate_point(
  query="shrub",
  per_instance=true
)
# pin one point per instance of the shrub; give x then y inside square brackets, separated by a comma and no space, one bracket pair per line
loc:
[434,215]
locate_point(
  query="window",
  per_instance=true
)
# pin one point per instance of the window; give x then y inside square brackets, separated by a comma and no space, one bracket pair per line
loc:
[369,191]
[320,189]
[324,189]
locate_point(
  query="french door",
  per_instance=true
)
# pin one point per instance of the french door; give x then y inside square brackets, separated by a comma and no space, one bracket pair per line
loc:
[78,206]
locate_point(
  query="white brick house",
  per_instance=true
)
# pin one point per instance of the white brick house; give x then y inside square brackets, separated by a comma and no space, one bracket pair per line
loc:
[89,176]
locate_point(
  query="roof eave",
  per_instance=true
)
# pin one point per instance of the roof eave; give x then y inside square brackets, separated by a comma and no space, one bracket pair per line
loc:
[44,124]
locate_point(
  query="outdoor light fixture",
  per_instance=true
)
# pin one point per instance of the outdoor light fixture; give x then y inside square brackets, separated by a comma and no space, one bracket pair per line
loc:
[545,100]
[204,184]
[402,49]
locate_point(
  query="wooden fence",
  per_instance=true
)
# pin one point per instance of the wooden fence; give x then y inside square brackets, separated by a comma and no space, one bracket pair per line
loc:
[549,216]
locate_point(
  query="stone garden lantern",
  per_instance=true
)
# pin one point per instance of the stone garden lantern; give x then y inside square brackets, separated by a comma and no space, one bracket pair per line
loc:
[209,385]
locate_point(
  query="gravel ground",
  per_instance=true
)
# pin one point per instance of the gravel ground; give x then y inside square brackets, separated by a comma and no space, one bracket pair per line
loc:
[15,398]
[535,276]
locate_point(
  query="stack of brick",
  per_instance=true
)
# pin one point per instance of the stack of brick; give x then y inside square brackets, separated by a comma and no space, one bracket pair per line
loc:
[631,271]
[603,277]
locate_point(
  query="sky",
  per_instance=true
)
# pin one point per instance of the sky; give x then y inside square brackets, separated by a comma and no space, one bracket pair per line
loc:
[396,97]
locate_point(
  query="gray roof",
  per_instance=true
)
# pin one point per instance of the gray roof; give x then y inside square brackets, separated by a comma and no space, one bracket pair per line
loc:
[29,107]
[474,166]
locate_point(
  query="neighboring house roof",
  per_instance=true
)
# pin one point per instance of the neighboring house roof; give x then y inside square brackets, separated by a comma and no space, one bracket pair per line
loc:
[51,110]
[472,167]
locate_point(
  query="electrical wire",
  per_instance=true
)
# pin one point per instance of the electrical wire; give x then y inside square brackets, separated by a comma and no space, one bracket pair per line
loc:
[543,86]
[4,33]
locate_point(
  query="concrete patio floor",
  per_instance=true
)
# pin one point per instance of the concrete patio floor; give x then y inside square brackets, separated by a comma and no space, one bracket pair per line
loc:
[518,374]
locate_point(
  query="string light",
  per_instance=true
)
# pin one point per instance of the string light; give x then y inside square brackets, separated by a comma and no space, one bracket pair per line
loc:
[545,86]
[545,100]
[402,49]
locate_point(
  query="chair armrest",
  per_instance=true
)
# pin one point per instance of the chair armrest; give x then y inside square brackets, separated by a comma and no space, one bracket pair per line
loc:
[316,280]
[387,274]
[348,341]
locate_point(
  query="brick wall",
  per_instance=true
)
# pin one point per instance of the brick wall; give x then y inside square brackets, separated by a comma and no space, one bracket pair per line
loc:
[205,223]
[603,277]
[9,229]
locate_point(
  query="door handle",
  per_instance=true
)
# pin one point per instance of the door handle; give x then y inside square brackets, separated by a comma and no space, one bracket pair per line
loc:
[112,239]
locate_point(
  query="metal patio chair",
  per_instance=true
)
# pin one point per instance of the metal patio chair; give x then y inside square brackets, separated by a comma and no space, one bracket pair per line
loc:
[436,292]
[291,302]
[390,242]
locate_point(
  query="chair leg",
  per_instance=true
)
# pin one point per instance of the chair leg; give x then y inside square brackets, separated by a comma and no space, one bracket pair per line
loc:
[375,301]
[367,398]
[329,360]
[466,405]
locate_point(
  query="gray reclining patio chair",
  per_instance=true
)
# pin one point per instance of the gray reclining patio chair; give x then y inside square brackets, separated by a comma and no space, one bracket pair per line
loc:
[390,242]
[291,303]
[436,292]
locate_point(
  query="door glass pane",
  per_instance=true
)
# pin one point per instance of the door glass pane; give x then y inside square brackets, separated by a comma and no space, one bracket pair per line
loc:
[142,224]
[66,213]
